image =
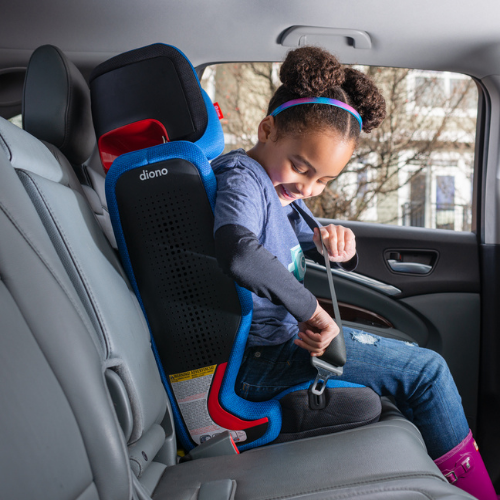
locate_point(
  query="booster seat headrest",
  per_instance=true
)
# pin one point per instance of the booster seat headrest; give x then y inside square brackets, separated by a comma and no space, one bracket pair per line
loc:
[148,96]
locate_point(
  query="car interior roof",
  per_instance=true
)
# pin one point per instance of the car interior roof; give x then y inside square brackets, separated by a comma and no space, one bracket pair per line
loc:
[430,34]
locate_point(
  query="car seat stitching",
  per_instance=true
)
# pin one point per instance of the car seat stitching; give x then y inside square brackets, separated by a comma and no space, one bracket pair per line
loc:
[52,271]
[75,262]
[354,494]
[358,483]
[6,147]
[77,309]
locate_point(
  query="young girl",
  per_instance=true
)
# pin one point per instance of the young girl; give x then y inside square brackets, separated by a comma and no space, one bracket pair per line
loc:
[310,132]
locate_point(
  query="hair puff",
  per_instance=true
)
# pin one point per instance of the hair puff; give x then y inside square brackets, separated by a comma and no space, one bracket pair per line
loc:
[365,98]
[311,72]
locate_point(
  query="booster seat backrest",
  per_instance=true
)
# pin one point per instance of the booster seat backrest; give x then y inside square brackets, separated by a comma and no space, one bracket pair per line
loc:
[161,202]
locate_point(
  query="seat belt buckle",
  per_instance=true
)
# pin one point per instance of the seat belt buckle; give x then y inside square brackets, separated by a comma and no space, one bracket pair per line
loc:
[219,445]
[325,371]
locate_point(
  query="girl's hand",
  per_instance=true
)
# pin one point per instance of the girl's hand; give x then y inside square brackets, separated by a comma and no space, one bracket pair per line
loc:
[316,333]
[340,242]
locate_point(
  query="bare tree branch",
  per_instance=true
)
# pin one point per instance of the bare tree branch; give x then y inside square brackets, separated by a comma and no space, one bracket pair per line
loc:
[423,119]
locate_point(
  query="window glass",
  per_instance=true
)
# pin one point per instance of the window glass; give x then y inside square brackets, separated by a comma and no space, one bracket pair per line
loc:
[464,92]
[429,91]
[416,169]
[17,120]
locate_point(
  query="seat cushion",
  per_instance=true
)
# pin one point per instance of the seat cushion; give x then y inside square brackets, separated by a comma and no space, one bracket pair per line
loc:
[371,458]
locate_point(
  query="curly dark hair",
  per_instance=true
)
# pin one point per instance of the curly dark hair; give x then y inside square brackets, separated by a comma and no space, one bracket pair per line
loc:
[314,72]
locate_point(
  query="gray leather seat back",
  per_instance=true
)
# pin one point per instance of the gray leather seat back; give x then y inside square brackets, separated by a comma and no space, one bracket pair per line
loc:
[96,273]
[60,436]
[103,289]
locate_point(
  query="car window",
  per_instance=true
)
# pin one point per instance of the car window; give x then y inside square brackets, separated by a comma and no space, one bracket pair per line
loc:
[416,169]
[17,120]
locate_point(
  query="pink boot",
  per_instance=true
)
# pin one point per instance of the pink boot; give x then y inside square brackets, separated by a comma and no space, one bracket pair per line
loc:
[464,467]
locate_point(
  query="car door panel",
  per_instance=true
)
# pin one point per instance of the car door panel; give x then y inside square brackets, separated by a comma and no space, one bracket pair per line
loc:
[439,310]
[455,269]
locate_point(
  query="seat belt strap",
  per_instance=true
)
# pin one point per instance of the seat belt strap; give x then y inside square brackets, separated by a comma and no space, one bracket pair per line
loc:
[334,358]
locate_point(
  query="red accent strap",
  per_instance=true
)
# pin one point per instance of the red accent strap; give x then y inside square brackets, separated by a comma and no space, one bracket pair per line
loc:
[234,445]
[219,111]
[132,137]
[219,415]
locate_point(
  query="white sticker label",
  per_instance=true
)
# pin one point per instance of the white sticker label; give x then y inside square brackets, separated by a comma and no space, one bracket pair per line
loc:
[191,392]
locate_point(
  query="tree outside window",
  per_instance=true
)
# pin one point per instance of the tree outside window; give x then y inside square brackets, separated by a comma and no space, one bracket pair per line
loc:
[431,121]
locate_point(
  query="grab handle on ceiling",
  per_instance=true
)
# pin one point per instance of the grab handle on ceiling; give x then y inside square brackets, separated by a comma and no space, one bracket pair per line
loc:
[298,36]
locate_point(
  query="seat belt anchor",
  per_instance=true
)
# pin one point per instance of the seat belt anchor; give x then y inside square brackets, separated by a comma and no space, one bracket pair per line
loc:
[325,371]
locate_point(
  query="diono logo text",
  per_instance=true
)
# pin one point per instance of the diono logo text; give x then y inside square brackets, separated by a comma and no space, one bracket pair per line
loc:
[151,174]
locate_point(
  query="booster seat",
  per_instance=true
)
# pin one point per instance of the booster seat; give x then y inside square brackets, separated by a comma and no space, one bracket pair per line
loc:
[157,130]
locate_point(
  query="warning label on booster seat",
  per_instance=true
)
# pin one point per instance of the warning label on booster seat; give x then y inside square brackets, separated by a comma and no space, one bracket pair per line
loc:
[191,392]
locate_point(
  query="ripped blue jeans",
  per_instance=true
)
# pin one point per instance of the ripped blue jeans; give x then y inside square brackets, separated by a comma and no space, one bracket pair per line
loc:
[418,379]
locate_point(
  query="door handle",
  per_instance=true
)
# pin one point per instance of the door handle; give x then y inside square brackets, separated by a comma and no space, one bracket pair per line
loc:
[409,267]
[411,261]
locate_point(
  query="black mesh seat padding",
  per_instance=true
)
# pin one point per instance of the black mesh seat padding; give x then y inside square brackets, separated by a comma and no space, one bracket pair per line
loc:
[346,408]
[149,83]
[192,307]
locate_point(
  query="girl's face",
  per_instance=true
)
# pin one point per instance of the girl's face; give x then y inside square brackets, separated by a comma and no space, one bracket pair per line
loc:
[300,166]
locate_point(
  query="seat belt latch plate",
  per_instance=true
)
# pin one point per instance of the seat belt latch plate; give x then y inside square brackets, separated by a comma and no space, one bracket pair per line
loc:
[325,371]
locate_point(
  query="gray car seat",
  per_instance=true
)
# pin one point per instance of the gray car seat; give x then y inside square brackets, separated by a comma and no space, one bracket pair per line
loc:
[131,374]
[64,318]
[61,438]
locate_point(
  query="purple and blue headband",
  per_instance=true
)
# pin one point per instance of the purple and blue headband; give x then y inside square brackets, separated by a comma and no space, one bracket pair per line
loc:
[319,100]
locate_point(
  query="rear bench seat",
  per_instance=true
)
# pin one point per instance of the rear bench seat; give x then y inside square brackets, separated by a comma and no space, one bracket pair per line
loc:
[70,323]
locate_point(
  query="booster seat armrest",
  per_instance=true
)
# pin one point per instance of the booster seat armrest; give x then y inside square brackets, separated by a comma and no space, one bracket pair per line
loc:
[221,444]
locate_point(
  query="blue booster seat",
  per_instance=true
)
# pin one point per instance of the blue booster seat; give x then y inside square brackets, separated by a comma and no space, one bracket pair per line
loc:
[157,129]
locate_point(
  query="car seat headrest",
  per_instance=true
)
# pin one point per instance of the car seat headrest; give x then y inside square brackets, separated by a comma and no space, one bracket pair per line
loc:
[56,104]
[148,96]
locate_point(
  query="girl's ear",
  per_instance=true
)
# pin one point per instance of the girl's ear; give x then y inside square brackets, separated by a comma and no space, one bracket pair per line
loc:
[267,129]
